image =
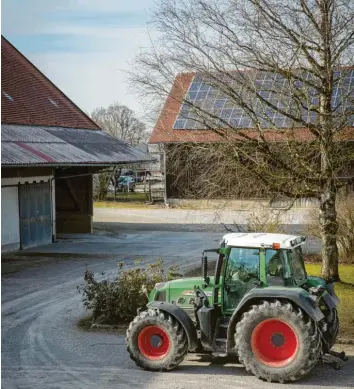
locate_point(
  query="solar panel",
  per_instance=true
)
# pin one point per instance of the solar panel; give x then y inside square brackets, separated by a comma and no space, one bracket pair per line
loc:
[211,104]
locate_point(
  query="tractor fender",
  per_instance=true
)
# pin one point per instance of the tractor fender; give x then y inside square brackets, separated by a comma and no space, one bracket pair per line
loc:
[331,301]
[180,315]
[295,295]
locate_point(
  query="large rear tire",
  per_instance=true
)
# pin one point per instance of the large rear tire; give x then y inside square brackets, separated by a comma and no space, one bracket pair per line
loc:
[277,342]
[156,341]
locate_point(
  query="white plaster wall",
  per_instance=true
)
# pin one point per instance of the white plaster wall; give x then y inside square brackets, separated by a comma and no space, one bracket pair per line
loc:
[10,223]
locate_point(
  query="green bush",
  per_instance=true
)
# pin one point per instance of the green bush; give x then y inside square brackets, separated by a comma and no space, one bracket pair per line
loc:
[100,185]
[117,301]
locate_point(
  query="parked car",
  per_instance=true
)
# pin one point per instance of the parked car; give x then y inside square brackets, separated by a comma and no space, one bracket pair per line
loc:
[126,184]
[138,176]
[141,176]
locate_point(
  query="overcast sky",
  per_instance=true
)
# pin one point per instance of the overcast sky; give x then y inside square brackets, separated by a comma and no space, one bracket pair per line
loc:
[83,46]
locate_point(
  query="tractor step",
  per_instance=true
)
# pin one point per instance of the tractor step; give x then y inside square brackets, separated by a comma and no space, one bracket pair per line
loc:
[220,336]
[219,346]
[219,355]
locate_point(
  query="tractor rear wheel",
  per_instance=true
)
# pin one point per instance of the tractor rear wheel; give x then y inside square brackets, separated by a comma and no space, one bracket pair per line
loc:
[277,342]
[156,341]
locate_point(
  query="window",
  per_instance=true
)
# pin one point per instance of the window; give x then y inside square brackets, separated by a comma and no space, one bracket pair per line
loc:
[243,263]
[297,265]
[274,266]
[241,275]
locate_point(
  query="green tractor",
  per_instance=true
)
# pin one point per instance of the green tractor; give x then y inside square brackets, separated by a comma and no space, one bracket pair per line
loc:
[260,307]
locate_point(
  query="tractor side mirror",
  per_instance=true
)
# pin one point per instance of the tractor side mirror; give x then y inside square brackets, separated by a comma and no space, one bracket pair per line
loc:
[205,269]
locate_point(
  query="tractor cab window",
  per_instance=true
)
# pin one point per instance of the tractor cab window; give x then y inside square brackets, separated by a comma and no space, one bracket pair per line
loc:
[243,263]
[297,265]
[241,274]
[274,266]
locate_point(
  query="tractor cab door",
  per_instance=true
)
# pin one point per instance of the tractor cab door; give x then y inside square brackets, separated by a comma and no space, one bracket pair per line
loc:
[241,274]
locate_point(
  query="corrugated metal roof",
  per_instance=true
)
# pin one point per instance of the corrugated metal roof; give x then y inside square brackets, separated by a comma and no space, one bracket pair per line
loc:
[29,145]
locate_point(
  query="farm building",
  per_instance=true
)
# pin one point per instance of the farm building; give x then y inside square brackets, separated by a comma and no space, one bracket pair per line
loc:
[198,110]
[49,151]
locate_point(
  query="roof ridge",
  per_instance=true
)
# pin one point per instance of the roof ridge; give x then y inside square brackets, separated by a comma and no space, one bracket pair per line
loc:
[194,73]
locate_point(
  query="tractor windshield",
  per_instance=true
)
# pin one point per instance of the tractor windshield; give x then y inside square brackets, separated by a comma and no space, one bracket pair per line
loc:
[297,265]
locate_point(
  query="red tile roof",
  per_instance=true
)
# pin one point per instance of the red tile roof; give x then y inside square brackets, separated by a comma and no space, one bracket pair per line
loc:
[164,132]
[29,98]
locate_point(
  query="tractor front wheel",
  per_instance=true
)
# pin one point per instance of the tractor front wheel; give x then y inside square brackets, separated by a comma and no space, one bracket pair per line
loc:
[156,341]
[277,342]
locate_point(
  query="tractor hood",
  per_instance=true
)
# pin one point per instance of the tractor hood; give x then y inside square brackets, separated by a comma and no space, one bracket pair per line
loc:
[181,291]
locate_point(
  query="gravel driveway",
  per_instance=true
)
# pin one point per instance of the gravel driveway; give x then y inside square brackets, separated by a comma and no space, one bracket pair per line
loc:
[42,347]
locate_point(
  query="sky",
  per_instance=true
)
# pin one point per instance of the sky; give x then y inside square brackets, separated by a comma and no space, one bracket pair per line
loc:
[84,46]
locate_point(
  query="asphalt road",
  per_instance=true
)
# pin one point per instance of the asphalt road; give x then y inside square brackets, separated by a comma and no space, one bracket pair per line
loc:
[42,347]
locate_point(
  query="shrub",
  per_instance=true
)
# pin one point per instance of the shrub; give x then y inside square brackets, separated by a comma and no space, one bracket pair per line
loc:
[265,220]
[262,220]
[116,301]
[100,185]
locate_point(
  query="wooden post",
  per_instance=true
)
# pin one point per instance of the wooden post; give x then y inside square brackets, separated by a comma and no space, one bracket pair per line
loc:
[115,185]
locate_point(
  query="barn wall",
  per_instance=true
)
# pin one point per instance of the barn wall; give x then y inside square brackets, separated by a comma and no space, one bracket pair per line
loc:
[237,187]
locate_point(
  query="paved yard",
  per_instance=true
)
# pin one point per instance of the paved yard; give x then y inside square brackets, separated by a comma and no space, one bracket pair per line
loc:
[42,348]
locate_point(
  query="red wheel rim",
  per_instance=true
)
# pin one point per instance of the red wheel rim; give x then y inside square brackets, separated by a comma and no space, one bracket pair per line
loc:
[274,343]
[154,342]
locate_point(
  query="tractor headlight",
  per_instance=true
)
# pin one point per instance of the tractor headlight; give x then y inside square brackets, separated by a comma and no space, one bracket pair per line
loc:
[317,291]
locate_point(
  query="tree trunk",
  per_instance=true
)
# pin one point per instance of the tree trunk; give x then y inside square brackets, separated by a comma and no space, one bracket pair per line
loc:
[329,227]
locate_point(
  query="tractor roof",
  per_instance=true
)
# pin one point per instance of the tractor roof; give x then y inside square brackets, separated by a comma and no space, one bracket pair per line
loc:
[262,239]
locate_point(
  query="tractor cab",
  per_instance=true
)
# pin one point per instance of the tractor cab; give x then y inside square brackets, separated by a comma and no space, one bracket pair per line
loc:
[259,306]
[251,260]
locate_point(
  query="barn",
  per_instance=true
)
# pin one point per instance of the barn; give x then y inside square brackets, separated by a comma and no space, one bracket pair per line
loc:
[203,110]
[50,150]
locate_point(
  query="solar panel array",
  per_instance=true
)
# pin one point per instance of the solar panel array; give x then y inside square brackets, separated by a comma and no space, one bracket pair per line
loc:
[216,104]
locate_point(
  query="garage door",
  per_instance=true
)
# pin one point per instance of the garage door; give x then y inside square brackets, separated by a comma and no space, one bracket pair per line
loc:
[35,215]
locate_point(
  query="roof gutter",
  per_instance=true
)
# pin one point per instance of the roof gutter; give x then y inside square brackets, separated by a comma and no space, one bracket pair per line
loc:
[76,164]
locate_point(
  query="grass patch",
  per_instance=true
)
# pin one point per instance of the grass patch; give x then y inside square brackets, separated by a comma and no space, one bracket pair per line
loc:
[123,200]
[128,197]
[345,292]
[120,205]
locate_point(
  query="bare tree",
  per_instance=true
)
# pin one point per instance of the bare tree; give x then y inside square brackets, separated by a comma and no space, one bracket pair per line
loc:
[284,66]
[121,122]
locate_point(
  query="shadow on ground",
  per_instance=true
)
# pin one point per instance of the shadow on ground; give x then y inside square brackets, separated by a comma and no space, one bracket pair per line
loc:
[322,375]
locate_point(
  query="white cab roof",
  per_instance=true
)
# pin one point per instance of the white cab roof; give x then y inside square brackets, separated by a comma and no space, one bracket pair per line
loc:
[262,239]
